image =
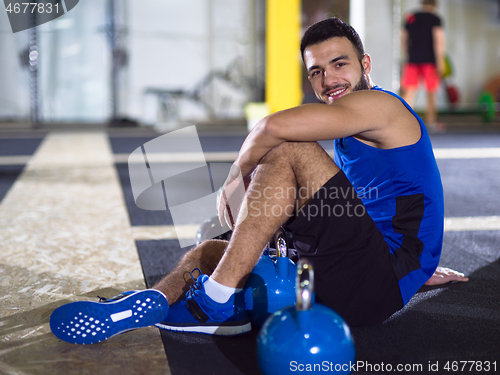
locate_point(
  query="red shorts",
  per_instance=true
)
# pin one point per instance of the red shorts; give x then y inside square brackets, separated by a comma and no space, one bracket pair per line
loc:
[414,73]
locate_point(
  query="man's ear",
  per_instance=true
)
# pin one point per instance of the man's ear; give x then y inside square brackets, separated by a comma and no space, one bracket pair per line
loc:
[366,63]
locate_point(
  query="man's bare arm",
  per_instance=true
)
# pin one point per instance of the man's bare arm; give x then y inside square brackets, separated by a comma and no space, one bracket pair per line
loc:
[372,116]
[367,114]
[439,48]
[404,43]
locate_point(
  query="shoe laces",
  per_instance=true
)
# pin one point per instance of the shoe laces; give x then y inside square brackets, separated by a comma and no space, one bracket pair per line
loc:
[197,284]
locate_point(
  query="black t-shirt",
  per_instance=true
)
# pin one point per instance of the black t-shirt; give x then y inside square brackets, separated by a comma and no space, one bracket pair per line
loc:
[420,42]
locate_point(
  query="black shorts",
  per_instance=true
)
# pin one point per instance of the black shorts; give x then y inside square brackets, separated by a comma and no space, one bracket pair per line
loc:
[353,274]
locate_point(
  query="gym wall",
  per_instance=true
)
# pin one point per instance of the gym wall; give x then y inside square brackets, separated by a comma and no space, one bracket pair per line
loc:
[171,44]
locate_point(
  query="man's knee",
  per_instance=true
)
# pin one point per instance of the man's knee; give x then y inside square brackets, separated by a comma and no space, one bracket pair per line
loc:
[290,150]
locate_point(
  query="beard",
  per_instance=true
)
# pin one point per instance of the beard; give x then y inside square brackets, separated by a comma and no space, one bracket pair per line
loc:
[363,82]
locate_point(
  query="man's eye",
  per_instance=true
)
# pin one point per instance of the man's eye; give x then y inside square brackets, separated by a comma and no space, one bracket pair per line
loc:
[315,73]
[340,65]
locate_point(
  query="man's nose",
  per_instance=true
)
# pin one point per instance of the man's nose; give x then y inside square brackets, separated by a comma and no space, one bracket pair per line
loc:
[330,78]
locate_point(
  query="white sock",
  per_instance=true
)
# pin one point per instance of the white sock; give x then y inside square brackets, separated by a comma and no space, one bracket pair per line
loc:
[218,292]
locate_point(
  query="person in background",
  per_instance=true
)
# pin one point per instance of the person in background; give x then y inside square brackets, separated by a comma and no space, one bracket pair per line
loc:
[423,41]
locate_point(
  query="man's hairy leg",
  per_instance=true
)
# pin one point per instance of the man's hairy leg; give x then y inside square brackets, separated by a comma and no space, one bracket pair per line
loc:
[271,198]
[206,256]
[431,110]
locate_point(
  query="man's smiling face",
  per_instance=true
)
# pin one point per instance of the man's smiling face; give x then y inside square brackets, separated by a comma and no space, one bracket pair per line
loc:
[334,69]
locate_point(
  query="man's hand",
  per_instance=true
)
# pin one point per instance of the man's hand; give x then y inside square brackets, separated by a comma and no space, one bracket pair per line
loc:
[444,275]
[441,66]
[231,205]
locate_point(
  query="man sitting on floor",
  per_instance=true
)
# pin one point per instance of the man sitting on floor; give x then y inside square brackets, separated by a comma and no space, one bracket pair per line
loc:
[371,223]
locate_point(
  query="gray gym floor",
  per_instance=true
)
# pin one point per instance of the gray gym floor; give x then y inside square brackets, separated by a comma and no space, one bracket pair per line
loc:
[52,255]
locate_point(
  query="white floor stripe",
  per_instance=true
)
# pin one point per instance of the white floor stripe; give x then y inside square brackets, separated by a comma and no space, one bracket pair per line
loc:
[440,153]
[164,232]
[180,157]
[14,160]
[466,153]
[451,224]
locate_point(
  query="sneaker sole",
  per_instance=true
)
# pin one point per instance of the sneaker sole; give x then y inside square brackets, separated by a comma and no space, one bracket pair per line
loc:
[217,330]
[86,322]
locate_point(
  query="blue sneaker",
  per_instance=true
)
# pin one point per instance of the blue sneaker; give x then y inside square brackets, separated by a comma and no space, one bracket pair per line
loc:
[199,313]
[85,322]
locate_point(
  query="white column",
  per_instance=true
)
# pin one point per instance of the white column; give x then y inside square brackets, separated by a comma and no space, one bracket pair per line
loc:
[357,17]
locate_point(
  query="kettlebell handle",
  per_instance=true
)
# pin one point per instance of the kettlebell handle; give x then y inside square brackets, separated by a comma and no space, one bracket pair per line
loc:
[280,243]
[304,285]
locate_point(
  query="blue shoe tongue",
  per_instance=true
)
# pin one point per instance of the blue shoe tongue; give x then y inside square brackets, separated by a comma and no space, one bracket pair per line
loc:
[203,278]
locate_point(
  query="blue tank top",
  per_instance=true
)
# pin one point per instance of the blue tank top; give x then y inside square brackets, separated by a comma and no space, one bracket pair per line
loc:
[402,191]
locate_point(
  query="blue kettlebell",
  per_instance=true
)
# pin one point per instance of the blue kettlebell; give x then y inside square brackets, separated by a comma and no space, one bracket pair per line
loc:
[271,285]
[305,337]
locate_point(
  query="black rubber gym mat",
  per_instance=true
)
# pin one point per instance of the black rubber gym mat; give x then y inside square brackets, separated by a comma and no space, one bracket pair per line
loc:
[19,146]
[8,175]
[14,147]
[190,353]
[159,258]
[471,187]
[137,215]
[457,322]
[466,139]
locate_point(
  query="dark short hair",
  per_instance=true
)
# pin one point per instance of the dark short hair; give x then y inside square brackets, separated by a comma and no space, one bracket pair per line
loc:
[330,28]
[429,2]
